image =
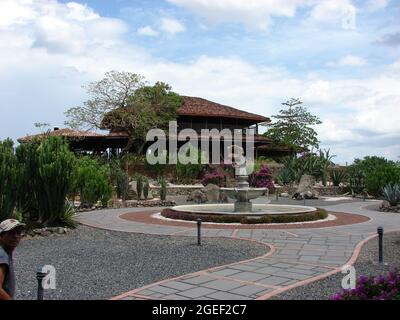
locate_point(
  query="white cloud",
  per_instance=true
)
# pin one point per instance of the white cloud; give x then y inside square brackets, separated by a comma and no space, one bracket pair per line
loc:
[335,11]
[171,26]
[349,60]
[373,5]
[147,31]
[252,13]
[15,12]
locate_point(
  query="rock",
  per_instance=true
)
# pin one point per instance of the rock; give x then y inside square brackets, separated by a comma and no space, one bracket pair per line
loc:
[45,233]
[212,192]
[305,189]
[198,196]
[223,198]
[284,195]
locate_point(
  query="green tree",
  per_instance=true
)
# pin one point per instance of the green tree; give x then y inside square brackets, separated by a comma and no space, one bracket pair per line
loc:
[149,107]
[293,126]
[106,95]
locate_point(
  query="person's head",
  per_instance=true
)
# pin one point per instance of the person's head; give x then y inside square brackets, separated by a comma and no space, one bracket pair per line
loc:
[11,231]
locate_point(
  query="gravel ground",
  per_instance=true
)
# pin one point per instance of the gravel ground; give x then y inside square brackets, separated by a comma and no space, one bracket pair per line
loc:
[99,264]
[366,264]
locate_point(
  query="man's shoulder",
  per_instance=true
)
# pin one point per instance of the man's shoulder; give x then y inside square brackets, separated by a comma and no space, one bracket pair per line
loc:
[4,258]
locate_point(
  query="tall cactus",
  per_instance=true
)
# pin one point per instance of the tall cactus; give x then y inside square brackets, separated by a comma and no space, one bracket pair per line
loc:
[139,186]
[146,188]
[163,189]
[56,164]
[27,178]
[8,177]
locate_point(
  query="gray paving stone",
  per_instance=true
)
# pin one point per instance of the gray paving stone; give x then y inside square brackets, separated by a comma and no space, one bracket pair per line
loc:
[163,290]
[227,296]
[223,284]
[178,285]
[225,272]
[268,270]
[197,279]
[274,281]
[176,297]
[244,267]
[292,275]
[196,292]
[248,276]
[249,290]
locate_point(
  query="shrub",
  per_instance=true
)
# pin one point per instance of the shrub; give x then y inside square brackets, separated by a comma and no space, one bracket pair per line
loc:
[262,179]
[92,182]
[213,177]
[337,177]
[391,193]
[383,287]
[8,179]
[372,174]
[376,180]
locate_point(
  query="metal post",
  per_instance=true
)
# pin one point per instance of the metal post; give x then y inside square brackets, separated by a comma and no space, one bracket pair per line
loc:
[198,231]
[380,236]
[40,276]
[277,194]
[304,201]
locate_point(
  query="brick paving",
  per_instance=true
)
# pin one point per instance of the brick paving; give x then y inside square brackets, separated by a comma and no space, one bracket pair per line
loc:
[296,257]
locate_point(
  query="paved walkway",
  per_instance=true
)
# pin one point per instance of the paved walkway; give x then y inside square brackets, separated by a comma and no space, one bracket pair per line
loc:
[296,258]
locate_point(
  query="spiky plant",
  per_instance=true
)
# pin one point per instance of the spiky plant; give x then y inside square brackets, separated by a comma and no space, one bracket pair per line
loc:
[337,177]
[8,177]
[391,193]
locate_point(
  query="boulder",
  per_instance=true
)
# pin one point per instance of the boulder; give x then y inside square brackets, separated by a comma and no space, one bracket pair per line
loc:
[197,196]
[284,195]
[223,198]
[212,192]
[305,189]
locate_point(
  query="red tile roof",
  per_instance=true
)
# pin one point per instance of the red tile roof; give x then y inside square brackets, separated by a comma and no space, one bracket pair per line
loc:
[193,106]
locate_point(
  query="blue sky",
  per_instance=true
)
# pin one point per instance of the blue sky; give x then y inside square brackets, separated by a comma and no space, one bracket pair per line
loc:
[340,57]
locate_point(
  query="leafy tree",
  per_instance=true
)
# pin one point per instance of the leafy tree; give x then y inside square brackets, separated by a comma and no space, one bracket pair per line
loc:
[149,107]
[122,102]
[293,126]
[106,95]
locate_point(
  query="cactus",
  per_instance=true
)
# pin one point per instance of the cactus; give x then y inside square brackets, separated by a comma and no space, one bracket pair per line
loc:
[163,190]
[27,179]
[55,170]
[122,184]
[146,188]
[8,179]
[139,186]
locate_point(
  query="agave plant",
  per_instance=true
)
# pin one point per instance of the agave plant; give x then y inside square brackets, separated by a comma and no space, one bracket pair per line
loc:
[337,177]
[391,193]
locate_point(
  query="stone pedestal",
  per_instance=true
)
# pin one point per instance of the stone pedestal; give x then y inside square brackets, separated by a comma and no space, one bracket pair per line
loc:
[243,206]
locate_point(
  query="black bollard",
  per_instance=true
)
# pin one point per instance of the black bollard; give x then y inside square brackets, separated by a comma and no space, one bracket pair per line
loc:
[40,276]
[380,236]
[198,231]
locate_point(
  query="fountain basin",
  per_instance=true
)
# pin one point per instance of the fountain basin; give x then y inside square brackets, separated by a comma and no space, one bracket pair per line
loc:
[258,210]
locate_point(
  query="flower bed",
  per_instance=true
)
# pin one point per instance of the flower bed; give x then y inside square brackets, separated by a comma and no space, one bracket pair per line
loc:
[383,287]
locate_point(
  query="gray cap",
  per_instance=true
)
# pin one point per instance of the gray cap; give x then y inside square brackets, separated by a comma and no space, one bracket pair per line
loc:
[10,224]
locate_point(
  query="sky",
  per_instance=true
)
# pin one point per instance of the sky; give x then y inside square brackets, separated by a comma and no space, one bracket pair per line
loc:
[340,57]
